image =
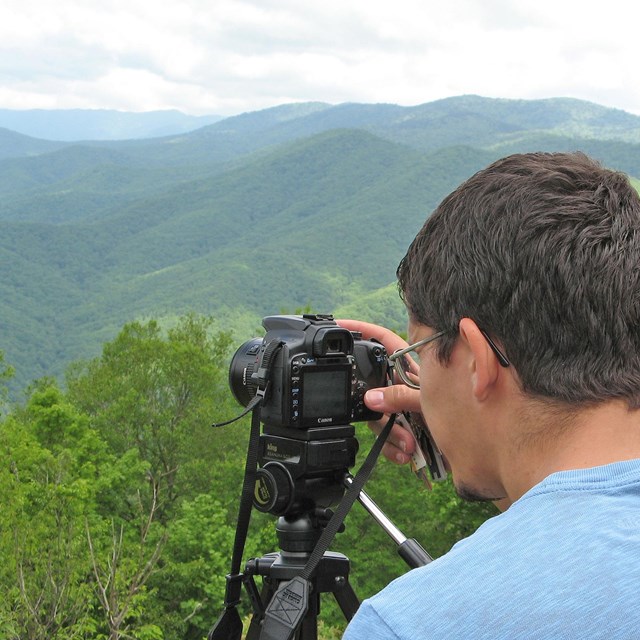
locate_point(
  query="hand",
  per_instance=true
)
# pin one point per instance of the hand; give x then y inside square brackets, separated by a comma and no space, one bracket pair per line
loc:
[398,397]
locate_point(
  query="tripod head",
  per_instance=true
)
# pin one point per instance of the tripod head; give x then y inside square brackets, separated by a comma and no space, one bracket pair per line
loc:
[302,471]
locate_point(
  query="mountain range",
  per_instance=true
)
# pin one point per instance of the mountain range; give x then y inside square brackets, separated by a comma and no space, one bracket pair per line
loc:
[99,124]
[302,205]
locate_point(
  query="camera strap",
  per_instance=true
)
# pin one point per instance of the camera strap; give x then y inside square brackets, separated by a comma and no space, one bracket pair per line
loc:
[229,625]
[289,604]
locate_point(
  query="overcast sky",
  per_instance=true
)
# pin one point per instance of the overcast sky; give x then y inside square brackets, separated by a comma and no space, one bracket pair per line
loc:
[230,56]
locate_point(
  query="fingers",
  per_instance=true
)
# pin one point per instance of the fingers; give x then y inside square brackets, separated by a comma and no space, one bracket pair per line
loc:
[401,443]
[397,397]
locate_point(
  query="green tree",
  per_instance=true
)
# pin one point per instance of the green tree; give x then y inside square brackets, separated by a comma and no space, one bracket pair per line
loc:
[156,393]
[120,499]
[195,561]
[46,487]
[121,570]
[60,485]
[159,394]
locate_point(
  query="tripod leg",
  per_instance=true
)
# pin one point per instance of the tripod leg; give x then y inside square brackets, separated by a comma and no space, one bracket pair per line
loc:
[253,632]
[255,626]
[346,598]
[309,627]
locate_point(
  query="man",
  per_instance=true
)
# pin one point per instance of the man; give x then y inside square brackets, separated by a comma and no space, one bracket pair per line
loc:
[527,280]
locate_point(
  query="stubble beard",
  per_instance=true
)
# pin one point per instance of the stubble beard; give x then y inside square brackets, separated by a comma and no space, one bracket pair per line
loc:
[469,494]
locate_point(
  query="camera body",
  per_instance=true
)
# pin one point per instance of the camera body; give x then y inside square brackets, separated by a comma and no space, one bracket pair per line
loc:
[316,374]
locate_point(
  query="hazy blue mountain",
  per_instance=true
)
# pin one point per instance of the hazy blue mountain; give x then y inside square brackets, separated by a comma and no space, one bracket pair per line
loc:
[99,124]
[318,222]
[304,204]
[81,182]
[464,120]
[16,145]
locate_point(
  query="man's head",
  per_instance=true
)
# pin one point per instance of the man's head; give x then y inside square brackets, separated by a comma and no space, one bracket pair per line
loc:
[543,252]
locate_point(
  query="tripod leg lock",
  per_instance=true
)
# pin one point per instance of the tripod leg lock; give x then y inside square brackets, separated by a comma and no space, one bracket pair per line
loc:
[233,590]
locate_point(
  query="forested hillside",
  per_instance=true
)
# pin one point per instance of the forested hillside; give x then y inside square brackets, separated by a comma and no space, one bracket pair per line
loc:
[300,205]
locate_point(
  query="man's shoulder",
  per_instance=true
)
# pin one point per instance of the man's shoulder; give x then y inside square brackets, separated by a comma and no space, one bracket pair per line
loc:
[555,556]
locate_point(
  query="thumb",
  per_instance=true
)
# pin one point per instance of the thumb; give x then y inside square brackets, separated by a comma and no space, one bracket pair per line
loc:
[397,397]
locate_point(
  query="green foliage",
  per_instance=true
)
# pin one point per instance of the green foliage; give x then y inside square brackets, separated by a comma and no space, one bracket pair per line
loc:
[6,373]
[382,306]
[47,488]
[89,523]
[158,395]
[191,582]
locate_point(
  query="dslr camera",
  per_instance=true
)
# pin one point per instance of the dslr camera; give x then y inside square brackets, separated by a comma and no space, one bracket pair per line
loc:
[316,377]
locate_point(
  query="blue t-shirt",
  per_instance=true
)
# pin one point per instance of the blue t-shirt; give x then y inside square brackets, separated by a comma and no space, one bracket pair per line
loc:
[563,562]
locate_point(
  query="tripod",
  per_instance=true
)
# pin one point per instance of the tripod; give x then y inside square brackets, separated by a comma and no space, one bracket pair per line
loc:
[297,539]
[296,477]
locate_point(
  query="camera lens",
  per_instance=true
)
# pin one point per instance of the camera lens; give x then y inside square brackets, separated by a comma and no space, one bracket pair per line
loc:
[243,364]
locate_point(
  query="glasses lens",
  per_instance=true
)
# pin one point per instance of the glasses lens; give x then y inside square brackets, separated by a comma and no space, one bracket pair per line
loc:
[407,369]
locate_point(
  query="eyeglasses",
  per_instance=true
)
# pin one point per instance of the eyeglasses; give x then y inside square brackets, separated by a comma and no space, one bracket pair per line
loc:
[407,368]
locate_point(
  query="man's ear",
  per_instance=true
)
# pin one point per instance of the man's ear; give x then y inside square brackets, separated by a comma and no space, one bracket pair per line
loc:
[483,363]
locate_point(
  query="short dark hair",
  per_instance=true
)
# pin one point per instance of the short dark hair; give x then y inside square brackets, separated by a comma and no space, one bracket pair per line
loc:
[542,250]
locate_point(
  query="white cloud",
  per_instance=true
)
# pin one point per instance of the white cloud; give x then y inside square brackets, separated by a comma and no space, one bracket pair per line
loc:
[225,56]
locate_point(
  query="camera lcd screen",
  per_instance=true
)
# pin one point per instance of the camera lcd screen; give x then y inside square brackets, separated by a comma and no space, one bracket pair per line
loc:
[325,394]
